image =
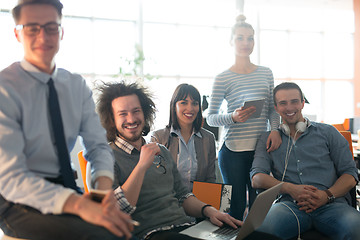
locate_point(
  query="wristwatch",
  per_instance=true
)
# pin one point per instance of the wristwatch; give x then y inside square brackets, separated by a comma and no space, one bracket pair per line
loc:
[331,197]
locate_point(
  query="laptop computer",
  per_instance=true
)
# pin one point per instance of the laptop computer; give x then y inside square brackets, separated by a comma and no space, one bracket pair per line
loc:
[257,214]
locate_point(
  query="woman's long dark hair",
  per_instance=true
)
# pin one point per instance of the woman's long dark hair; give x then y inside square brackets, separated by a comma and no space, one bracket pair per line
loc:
[181,93]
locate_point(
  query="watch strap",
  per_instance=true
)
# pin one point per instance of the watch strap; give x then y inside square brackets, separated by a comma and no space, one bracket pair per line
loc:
[331,197]
[203,209]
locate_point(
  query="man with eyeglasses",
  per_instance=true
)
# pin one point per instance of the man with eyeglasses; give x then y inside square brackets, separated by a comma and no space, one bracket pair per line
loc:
[43,109]
[146,172]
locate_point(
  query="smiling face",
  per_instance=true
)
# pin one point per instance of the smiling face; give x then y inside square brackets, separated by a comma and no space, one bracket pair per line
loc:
[289,105]
[186,111]
[243,41]
[129,118]
[40,49]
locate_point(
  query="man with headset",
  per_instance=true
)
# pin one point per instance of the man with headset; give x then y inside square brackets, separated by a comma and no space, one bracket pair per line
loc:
[317,167]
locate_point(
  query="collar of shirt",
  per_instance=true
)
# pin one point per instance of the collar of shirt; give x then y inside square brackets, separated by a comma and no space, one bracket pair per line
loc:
[178,133]
[308,125]
[126,146]
[36,73]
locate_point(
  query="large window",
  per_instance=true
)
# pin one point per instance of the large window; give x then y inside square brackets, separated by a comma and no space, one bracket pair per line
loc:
[310,43]
[188,41]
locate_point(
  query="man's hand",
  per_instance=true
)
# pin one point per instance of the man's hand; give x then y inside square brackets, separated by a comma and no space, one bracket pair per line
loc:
[299,192]
[219,218]
[314,200]
[242,115]
[106,213]
[308,197]
[147,155]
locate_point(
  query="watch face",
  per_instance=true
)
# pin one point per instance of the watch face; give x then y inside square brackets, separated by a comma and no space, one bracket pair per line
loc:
[331,197]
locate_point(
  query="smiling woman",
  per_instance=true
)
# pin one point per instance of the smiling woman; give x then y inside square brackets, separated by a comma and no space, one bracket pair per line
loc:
[191,146]
[243,81]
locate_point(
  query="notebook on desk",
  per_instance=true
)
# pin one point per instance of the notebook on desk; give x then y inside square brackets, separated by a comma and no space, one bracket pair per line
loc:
[217,195]
[257,214]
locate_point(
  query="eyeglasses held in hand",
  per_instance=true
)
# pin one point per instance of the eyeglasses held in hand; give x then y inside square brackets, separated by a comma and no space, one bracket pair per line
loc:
[157,161]
[33,29]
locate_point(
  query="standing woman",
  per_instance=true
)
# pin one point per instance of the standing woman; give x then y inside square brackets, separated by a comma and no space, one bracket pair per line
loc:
[244,81]
[191,146]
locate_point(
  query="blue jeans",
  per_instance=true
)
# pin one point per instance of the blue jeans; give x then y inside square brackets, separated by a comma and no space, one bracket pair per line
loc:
[21,221]
[336,220]
[235,168]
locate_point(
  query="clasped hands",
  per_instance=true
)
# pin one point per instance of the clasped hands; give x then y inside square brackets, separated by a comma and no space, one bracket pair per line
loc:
[309,198]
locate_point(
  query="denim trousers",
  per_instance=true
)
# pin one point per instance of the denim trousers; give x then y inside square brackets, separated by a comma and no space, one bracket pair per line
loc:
[336,220]
[235,168]
[22,221]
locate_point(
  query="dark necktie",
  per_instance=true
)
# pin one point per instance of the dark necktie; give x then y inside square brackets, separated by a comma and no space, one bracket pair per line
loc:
[58,129]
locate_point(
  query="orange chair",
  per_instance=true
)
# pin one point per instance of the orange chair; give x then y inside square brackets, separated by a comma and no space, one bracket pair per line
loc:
[339,127]
[345,126]
[85,171]
[347,136]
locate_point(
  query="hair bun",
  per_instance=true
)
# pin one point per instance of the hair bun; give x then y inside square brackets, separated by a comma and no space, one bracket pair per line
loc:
[241,18]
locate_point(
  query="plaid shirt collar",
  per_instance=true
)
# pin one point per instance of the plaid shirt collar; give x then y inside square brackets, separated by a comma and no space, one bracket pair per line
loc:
[126,146]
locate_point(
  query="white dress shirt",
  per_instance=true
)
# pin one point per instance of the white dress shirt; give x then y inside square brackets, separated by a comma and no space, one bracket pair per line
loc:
[27,150]
[186,158]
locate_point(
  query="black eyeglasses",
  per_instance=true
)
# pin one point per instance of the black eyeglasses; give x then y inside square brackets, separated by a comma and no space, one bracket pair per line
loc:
[33,29]
[157,161]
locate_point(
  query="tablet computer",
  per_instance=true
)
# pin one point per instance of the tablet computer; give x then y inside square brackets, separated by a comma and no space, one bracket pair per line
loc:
[258,103]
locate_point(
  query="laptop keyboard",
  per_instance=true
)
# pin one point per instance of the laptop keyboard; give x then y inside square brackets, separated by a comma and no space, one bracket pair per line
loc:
[225,232]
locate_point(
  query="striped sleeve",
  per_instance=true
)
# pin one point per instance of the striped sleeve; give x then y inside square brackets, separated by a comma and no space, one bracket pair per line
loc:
[235,89]
[214,118]
[274,117]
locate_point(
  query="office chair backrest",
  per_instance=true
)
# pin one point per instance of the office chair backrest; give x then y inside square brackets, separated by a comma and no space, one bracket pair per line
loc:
[347,136]
[339,127]
[345,126]
[83,168]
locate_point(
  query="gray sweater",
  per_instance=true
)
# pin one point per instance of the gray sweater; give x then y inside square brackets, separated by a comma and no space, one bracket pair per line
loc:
[158,204]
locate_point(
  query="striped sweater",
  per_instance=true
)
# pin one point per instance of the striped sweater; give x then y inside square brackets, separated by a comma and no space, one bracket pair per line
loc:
[236,89]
